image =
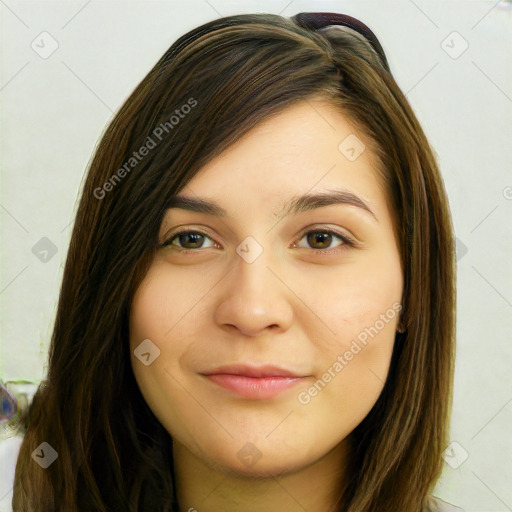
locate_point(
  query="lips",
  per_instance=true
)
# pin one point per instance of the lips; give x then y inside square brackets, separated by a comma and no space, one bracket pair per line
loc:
[254,382]
[253,371]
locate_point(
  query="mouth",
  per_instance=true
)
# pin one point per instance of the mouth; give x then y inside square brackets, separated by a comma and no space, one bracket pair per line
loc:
[253,382]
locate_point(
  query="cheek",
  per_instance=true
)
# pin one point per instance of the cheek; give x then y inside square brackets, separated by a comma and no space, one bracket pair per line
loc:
[349,381]
[154,317]
[361,309]
[147,313]
[157,312]
[360,296]
[150,325]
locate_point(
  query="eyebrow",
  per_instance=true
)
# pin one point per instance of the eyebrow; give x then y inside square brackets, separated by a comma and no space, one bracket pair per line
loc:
[297,204]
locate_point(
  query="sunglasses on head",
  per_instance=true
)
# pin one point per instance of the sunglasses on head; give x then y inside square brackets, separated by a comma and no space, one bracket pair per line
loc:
[316,20]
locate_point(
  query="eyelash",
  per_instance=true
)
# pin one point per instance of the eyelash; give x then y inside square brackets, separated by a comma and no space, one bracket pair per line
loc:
[347,242]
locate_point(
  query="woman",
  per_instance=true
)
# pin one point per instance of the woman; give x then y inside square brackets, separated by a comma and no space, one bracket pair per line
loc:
[300,355]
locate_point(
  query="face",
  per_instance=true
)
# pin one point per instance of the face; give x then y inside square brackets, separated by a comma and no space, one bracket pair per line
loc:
[262,337]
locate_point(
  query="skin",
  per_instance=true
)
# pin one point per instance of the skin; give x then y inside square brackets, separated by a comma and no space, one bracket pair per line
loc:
[293,306]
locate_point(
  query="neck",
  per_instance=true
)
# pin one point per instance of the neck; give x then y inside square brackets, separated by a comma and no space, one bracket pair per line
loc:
[203,488]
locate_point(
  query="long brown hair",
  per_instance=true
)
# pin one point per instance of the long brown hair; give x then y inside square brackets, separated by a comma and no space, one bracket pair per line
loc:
[232,73]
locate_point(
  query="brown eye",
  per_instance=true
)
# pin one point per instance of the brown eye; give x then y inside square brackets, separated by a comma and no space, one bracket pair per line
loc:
[321,239]
[188,240]
[195,239]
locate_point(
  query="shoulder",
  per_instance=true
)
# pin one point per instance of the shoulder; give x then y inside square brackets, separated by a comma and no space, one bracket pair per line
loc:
[438,505]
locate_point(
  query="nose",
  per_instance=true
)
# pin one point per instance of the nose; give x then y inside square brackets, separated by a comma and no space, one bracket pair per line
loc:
[254,297]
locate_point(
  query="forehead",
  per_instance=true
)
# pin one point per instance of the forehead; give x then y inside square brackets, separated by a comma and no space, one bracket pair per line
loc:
[309,147]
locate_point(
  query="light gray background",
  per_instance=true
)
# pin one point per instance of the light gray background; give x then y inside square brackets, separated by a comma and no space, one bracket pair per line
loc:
[54,110]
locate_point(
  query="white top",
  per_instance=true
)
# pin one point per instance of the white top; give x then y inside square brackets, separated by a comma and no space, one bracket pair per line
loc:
[9,449]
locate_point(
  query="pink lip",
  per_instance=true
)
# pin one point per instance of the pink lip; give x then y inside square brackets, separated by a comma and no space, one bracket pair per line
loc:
[257,383]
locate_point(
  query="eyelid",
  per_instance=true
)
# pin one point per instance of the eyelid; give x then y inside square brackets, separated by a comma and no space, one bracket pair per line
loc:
[184,229]
[347,242]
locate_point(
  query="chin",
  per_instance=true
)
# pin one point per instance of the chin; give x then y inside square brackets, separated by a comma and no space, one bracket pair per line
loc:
[260,469]
[256,460]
